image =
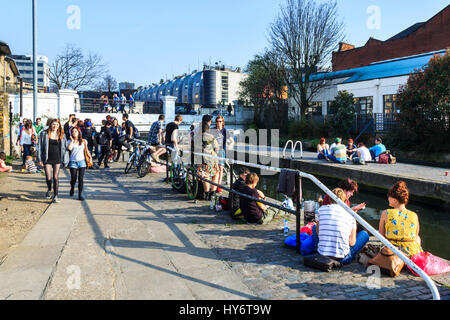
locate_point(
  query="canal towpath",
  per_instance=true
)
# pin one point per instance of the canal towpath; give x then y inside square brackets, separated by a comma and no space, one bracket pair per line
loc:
[138,239]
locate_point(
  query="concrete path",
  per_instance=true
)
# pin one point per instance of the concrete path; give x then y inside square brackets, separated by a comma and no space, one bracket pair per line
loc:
[122,243]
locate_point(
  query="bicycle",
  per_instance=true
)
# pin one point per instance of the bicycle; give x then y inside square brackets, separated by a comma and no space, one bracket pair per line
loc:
[133,161]
[145,161]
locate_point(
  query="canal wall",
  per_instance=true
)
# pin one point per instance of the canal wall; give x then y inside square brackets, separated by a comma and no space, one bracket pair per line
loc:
[427,185]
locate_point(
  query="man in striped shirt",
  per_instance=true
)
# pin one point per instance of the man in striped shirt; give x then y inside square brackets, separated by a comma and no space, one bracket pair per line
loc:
[339,152]
[336,231]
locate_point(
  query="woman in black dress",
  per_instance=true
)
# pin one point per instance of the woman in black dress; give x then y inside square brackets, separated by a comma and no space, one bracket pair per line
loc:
[52,152]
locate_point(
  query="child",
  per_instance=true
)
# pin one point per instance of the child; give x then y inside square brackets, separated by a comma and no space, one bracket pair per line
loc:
[30,167]
[3,166]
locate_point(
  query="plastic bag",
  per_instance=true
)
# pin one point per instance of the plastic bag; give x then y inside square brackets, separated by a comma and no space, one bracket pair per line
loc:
[430,264]
[308,228]
[307,243]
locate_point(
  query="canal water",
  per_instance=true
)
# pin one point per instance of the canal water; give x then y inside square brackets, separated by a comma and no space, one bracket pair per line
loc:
[434,222]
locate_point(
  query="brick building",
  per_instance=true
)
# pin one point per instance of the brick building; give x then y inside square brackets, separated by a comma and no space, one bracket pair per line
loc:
[422,37]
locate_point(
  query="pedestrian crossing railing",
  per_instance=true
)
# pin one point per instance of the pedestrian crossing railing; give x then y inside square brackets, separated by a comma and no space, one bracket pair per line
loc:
[297,212]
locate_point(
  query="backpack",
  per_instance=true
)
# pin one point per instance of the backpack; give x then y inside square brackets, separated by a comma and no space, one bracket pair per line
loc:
[101,139]
[136,133]
[383,158]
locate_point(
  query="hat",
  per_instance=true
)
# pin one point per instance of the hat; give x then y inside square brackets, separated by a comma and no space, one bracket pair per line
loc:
[338,140]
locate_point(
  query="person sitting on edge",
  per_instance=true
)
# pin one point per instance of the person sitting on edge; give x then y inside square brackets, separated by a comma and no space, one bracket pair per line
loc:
[3,166]
[323,150]
[238,186]
[362,154]
[253,211]
[377,149]
[351,149]
[338,154]
[400,225]
[335,233]
[155,138]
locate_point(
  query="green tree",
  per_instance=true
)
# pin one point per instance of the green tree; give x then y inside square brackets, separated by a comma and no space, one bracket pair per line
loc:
[265,89]
[424,107]
[344,113]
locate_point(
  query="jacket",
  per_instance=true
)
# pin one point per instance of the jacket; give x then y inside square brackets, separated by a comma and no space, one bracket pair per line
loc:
[42,150]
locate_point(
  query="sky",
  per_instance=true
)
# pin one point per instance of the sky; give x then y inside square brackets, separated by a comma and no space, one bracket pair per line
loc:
[143,41]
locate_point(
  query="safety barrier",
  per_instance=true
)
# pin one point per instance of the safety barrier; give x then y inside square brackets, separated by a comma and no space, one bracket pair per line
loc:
[299,175]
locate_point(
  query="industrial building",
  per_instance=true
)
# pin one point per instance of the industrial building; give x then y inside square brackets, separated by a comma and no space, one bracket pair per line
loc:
[208,88]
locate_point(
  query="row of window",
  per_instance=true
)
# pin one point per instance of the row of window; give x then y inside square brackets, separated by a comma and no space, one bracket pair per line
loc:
[363,106]
[28,64]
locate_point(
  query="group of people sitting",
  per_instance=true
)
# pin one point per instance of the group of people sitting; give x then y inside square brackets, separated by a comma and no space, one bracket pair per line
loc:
[336,233]
[340,153]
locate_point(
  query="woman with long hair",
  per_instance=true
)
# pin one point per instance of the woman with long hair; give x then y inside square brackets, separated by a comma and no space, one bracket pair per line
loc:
[78,149]
[400,225]
[52,152]
[28,138]
[225,143]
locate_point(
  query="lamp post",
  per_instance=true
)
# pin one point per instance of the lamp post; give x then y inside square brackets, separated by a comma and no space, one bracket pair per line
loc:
[35,74]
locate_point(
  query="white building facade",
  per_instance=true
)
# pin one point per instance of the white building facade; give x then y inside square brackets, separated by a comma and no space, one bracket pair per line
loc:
[25,66]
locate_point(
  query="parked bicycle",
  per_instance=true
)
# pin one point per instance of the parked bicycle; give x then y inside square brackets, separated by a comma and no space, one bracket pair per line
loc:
[133,161]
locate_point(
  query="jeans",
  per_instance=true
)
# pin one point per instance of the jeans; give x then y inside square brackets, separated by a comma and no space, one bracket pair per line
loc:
[361,239]
[334,159]
[26,151]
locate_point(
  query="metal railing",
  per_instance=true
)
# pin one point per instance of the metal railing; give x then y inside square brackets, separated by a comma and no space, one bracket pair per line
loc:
[299,175]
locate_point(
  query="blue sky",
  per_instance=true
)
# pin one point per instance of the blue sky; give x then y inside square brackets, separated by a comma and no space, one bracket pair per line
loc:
[146,40]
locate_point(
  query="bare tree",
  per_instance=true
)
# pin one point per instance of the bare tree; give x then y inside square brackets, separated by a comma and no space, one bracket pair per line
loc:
[305,34]
[72,70]
[108,84]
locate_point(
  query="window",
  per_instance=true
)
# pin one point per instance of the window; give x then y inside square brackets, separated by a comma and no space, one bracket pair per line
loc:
[315,108]
[330,109]
[364,105]
[389,104]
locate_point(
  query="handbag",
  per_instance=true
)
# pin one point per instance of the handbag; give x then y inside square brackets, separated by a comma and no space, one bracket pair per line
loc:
[87,156]
[320,262]
[388,261]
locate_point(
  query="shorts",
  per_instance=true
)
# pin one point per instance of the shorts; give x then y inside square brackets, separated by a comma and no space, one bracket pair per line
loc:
[221,154]
[77,164]
[207,170]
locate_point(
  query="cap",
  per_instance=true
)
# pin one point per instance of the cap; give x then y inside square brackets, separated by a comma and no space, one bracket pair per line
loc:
[88,124]
[338,140]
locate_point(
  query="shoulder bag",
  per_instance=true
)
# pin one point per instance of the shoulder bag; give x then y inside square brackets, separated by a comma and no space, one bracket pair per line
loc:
[87,155]
[388,261]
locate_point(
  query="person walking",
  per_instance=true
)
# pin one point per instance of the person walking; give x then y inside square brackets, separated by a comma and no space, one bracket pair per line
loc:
[131,103]
[28,138]
[123,101]
[52,152]
[105,141]
[78,148]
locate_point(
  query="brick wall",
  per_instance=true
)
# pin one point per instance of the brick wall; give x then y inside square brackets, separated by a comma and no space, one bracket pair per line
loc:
[432,36]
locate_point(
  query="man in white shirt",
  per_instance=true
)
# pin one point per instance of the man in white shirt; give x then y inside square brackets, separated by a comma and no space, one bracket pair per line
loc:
[335,232]
[363,154]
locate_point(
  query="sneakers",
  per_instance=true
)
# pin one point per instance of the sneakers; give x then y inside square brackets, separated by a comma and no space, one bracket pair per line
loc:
[48,196]
[56,199]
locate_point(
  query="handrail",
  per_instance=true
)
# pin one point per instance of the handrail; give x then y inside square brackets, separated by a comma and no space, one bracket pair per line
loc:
[295,147]
[285,147]
[430,283]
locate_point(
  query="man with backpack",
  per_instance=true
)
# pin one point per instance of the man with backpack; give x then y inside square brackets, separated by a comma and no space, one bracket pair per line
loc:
[105,143]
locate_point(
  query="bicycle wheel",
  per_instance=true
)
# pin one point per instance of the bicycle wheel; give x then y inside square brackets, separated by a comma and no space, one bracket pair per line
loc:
[191,184]
[130,164]
[177,177]
[143,169]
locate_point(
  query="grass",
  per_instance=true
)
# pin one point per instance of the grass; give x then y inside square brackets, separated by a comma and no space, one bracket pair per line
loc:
[9,160]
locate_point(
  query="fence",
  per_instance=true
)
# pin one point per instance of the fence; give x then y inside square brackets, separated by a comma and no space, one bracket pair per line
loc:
[297,212]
